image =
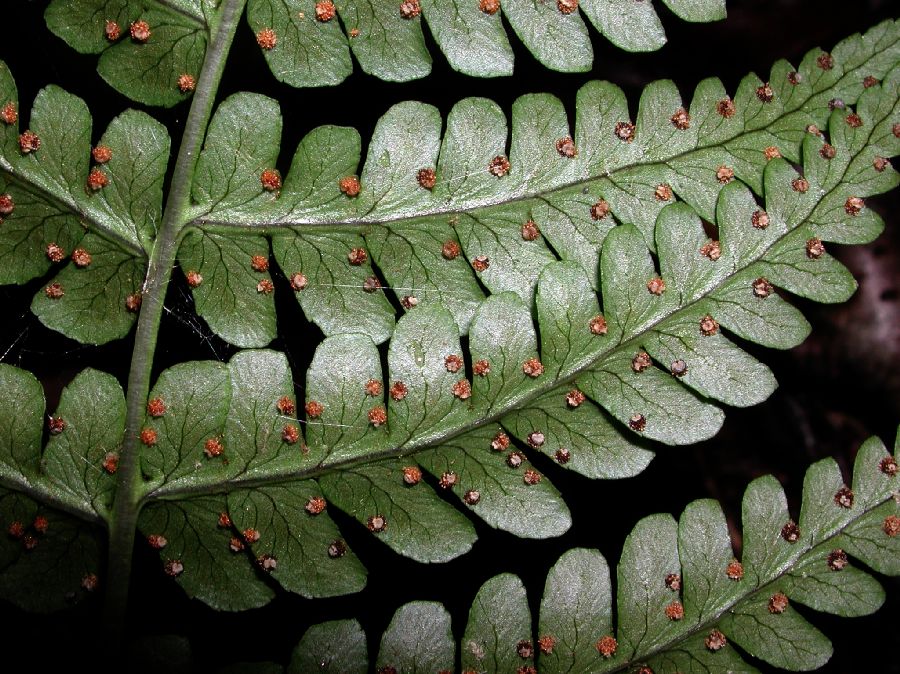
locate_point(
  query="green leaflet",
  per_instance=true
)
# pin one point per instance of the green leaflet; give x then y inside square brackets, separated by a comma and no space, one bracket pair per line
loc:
[682,597]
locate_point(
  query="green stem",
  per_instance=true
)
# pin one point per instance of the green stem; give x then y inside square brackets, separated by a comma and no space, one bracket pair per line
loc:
[129,490]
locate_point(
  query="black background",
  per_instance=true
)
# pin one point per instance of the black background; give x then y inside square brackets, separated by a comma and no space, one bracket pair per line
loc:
[839,387]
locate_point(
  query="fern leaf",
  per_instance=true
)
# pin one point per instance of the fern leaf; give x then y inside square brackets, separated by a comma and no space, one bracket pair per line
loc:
[682,598]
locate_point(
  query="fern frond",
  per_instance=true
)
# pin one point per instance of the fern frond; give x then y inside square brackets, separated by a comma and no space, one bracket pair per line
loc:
[682,598]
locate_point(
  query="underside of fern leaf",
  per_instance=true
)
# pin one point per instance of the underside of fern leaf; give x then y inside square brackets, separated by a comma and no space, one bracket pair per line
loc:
[682,600]
[567,296]
[147,47]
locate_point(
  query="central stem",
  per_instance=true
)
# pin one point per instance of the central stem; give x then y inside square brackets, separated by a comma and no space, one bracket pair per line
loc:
[129,491]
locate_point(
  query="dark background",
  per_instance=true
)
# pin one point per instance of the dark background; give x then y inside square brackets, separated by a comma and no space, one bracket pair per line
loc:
[839,387]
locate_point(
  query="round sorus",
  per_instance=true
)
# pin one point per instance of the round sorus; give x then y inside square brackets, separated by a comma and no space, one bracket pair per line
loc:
[290,434]
[489,6]
[530,231]
[888,466]
[536,439]
[472,497]
[762,288]
[299,281]
[373,387]
[854,205]
[266,39]
[16,530]
[462,389]
[194,279]
[481,368]
[54,291]
[663,192]
[427,178]
[515,459]
[376,523]
[563,455]
[133,302]
[656,286]
[9,114]
[481,263]
[173,567]
[771,152]
[891,525]
[90,582]
[598,325]
[790,532]
[869,81]
[759,219]
[815,248]
[825,61]
[97,179]
[412,475]
[794,78]
[567,6]
[337,548]
[112,30]
[324,11]
[270,179]
[637,422]
[641,361]
[285,406]
[574,398]
[499,166]
[7,204]
[624,131]
[314,409]
[111,462]
[186,83]
[259,263]
[56,425]
[500,442]
[531,477]
[453,363]
[315,505]
[398,391]
[778,603]
[377,416]
[525,649]
[140,31]
[726,108]
[681,120]
[734,570]
[265,287]
[349,185]
[674,611]
[357,256]
[156,407]
[837,559]
[724,174]
[566,147]
[157,541]
[853,120]
[236,544]
[607,646]
[673,582]
[600,210]
[29,142]
[827,151]
[102,154]
[410,9]
[55,253]
[29,542]
[546,644]
[213,448]
[708,326]
[267,563]
[711,250]
[40,524]
[533,368]
[765,93]
[149,437]
[224,520]
[880,163]
[448,480]
[371,284]
[715,641]
[450,250]
[250,535]
[678,368]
